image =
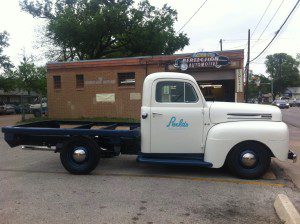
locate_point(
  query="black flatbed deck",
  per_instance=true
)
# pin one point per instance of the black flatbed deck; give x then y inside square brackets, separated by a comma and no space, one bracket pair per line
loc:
[54,132]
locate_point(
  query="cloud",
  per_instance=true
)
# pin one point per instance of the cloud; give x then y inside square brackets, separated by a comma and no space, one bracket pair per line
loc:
[228,20]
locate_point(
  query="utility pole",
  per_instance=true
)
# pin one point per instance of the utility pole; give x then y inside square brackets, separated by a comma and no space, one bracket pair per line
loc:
[221,44]
[280,73]
[247,68]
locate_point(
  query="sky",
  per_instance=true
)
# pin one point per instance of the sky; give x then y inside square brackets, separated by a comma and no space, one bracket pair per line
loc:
[217,19]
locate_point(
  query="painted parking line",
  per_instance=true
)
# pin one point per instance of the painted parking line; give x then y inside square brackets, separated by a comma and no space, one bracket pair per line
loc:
[199,179]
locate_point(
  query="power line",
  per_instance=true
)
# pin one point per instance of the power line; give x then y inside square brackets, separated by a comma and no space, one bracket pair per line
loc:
[277,32]
[237,47]
[237,40]
[192,16]
[269,22]
[261,18]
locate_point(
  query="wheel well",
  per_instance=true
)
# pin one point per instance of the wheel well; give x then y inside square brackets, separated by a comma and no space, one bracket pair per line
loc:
[81,138]
[251,142]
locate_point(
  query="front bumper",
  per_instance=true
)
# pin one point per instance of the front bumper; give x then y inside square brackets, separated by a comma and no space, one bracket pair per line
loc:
[292,156]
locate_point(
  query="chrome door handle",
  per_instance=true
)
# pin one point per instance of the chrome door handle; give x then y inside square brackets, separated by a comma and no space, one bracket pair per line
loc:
[155,113]
[144,115]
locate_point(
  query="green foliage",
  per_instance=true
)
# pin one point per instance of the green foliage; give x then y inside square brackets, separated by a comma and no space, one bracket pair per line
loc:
[91,29]
[283,68]
[5,63]
[8,82]
[298,57]
[29,77]
[26,76]
[263,88]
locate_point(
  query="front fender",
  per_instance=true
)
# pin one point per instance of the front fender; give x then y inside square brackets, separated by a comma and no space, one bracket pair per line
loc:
[222,137]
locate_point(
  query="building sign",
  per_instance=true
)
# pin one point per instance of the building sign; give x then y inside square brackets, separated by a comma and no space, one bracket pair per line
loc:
[105,97]
[135,96]
[202,60]
[239,80]
[100,81]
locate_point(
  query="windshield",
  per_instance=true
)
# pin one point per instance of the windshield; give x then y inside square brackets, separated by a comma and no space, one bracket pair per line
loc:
[280,101]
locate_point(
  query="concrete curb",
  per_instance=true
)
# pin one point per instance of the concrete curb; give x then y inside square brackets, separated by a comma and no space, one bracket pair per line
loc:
[286,210]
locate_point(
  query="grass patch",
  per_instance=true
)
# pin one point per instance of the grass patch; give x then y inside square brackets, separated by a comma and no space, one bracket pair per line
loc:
[33,119]
[99,119]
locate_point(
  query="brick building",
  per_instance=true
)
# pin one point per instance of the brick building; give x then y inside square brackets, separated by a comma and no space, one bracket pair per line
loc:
[113,87]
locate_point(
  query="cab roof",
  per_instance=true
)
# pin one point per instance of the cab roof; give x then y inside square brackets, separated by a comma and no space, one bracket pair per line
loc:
[168,75]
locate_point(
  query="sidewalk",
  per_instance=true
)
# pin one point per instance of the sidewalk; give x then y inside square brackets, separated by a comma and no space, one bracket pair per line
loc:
[290,168]
[7,120]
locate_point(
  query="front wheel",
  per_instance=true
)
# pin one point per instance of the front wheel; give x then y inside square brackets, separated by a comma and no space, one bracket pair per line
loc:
[80,156]
[249,160]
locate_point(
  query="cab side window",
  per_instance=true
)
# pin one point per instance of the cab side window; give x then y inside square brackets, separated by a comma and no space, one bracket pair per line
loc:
[175,92]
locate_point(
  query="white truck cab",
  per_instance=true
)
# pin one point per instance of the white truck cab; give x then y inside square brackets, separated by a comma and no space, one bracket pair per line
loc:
[179,126]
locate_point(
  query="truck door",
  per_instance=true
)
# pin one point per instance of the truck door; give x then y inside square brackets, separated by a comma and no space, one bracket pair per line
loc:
[176,117]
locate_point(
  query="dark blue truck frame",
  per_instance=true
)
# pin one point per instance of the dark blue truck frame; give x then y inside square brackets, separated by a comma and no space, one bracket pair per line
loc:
[50,133]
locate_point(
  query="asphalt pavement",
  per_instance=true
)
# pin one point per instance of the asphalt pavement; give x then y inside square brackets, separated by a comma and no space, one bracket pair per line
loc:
[292,116]
[35,188]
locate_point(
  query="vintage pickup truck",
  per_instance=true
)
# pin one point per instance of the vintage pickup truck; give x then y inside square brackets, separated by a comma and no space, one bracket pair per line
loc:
[178,127]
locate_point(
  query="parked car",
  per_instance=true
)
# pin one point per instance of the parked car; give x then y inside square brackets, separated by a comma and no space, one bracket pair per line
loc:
[7,108]
[292,102]
[36,110]
[21,107]
[282,104]
[297,103]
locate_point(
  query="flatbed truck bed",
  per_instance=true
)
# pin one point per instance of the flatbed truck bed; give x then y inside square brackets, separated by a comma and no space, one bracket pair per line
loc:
[112,137]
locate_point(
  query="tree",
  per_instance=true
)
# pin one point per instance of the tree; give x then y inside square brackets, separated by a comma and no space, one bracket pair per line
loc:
[92,29]
[29,77]
[255,90]
[5,63]
[283,68]
[7,83]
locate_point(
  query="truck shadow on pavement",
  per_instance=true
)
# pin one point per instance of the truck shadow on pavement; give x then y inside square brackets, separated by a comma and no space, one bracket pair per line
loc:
[126,166]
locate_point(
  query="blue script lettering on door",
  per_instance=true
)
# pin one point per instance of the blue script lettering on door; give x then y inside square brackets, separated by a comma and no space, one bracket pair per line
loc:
[180,124]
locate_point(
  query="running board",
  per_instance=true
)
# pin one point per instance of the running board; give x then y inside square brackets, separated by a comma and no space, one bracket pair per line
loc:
[173,161]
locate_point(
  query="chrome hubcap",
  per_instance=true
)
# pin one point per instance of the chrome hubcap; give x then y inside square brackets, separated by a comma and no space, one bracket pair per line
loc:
[79,154]
[248,159]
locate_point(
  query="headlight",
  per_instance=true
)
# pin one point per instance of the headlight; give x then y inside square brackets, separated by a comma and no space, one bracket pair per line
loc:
[287,104]
[277,104]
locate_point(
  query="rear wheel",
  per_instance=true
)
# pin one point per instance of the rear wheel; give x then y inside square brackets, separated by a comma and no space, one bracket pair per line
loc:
[80,156]
[249,160]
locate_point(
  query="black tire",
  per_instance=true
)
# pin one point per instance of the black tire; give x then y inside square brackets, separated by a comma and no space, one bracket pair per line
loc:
[262,157]
[92,155]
